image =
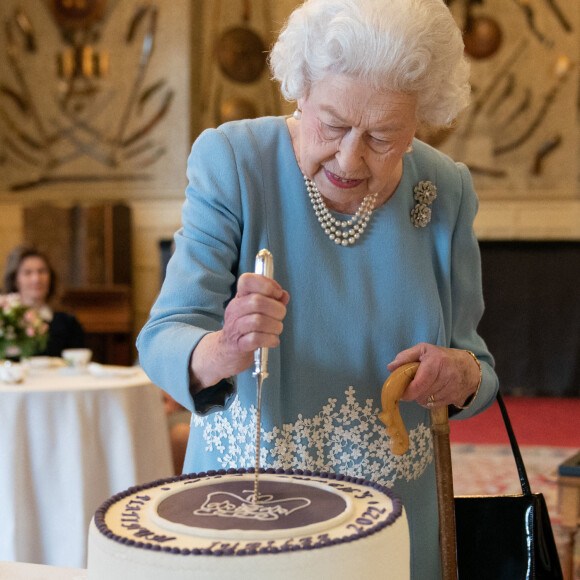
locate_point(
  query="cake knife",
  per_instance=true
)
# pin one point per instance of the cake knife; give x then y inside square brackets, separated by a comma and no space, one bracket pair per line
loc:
[264,266]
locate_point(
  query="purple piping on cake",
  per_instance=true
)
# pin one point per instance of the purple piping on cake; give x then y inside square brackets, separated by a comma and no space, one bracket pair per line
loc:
[105,531]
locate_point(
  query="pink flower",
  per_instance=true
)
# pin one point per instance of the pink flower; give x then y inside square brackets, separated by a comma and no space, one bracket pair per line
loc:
[21,327]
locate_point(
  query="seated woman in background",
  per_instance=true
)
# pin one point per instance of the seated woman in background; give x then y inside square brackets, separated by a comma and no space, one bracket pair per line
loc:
[29,273]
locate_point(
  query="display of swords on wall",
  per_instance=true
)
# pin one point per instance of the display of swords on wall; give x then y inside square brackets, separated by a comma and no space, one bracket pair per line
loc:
[81,116]
[523,54]
[236,81]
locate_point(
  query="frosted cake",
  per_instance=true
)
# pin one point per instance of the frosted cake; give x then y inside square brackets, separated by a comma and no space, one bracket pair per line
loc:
[208,526]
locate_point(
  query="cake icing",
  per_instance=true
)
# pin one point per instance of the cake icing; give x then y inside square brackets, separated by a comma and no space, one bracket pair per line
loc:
[209,525]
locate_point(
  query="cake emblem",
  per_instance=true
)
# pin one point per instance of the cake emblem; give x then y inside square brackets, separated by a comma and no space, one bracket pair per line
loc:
[224,504]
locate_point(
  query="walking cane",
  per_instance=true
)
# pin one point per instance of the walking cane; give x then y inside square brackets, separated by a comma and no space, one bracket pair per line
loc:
[392,390]
[445,497]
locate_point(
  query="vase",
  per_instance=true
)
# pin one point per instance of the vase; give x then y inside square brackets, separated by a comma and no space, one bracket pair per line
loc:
[10,352]
[19,349]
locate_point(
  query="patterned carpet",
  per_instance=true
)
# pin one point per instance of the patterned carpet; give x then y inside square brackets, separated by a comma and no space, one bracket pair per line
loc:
[491,470]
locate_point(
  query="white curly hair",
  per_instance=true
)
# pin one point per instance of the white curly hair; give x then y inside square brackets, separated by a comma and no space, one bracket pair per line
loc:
[409,46]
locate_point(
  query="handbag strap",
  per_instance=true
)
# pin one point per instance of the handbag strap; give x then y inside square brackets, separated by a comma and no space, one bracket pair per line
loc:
[525,483]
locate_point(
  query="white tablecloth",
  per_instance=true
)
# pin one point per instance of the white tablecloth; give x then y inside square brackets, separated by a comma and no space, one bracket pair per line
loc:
[67,443]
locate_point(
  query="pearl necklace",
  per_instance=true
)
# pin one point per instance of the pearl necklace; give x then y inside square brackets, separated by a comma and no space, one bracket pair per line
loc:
[332,226]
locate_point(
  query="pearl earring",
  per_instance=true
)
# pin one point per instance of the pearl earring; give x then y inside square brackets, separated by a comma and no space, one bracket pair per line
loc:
[297,114]
[409,149]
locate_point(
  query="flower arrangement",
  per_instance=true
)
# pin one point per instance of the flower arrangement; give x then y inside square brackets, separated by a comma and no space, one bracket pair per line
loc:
[23,332]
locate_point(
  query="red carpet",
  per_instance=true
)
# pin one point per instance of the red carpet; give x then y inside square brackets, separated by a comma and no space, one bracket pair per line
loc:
[548,421]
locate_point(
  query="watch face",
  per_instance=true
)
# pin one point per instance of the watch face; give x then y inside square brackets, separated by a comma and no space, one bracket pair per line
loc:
[77,13]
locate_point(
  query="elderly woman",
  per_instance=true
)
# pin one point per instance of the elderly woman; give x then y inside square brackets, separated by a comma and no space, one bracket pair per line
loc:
[375,261]
[29,273]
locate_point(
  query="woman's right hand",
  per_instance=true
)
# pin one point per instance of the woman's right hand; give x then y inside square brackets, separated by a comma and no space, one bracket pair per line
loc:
[252,320]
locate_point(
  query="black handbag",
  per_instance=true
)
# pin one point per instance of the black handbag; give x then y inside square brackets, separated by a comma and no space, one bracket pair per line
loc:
[506,537]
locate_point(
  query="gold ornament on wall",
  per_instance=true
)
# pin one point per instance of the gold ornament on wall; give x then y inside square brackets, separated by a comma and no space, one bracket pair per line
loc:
[236,81]
[77,13]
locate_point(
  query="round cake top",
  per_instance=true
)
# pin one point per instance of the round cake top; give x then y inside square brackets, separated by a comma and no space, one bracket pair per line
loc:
[224,506]
[215,513]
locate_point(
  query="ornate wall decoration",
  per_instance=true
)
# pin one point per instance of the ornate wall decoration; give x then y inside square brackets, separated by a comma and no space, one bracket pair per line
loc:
[86,95]
[520,135]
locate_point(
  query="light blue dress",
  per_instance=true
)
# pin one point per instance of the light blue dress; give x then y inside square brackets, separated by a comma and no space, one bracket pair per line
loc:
[351,310]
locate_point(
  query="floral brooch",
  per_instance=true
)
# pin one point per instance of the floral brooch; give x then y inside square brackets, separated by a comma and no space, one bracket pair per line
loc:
[425,193]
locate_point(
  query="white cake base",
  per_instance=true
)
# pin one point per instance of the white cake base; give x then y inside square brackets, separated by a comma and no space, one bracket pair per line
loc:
[369,538]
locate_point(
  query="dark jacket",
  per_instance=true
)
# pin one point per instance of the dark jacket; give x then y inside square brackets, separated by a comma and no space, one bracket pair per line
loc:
[64,331]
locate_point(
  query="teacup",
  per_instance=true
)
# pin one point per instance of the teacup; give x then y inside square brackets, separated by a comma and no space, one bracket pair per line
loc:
[37,363]
[12,373]
[77,358]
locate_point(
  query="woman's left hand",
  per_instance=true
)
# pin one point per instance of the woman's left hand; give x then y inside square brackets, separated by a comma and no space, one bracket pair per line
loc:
[446,376]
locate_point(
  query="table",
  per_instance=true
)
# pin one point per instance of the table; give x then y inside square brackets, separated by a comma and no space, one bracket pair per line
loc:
[569,497]
[67,443]
[21,571]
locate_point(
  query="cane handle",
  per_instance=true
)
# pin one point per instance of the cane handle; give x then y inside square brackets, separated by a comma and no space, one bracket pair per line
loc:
[392,390]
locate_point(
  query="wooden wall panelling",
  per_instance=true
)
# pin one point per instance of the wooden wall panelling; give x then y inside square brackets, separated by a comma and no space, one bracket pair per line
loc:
[102,245]
[88,264]
[100,290]
[118,223]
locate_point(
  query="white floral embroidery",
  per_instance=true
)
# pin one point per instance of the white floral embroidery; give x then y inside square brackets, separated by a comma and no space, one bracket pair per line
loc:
[348,439]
